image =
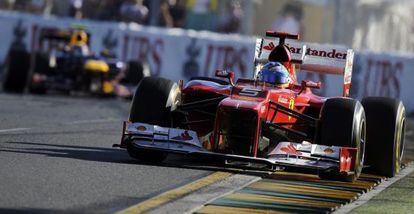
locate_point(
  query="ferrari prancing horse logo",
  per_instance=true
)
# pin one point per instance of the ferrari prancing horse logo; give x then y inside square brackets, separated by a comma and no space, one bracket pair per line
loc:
[291,105]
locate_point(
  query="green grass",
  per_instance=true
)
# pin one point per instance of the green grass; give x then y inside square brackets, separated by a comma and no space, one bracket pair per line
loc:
[398,198]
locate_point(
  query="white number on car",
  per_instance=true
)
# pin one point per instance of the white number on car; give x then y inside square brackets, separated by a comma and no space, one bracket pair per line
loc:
[251,92]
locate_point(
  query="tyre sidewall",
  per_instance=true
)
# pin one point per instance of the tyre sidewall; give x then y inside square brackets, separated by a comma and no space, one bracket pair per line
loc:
[16,71]
[385,135]
[342,123]
[153,101]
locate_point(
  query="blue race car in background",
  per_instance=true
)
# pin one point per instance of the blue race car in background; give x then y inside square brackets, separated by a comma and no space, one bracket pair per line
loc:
[63,62]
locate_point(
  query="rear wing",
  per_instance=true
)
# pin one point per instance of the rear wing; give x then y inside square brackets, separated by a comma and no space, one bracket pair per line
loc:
[55,34]
[325,59]
[58,36]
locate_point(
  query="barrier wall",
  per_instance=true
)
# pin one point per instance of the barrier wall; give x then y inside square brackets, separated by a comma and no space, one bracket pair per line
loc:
[171,53]
[181,54]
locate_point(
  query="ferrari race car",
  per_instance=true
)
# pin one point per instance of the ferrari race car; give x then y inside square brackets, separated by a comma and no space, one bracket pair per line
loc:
[271,121]
[63,62]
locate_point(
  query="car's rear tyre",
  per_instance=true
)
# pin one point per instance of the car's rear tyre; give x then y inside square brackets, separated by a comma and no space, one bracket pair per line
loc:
[152,103]
[16,71]
[41,64]
[343,124]
[385,135]
[136,72]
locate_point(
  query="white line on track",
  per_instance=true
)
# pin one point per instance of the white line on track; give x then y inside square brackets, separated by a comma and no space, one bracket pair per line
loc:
[378,189]
[13,130]
[67,123]
[93,121]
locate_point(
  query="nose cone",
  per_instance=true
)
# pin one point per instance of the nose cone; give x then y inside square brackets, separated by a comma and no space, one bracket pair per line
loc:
[229,102]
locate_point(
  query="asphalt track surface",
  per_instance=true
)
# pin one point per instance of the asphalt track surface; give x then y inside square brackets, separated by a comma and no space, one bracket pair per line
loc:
[56,156]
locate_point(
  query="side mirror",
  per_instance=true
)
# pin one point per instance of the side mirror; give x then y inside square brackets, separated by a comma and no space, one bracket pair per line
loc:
[310,84]
[226,74]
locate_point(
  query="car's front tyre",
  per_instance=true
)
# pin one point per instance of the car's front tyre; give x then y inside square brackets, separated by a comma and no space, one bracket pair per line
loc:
[343,123]
[152,103]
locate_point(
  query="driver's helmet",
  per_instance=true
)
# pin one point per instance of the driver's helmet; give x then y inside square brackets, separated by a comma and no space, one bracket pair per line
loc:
[275,73]
[79,38]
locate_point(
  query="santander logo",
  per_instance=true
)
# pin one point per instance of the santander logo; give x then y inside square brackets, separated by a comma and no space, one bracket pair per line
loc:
[332,53]
[269,47]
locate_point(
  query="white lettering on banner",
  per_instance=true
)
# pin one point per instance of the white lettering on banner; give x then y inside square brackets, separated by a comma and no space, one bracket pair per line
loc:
[380,76]
[227,57]
[168,56]
[384,75]
[384,78]
[143,49]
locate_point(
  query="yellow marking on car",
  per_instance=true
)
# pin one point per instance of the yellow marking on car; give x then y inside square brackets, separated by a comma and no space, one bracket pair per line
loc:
[176,193]
[291,105]
[96,66]
[108,87]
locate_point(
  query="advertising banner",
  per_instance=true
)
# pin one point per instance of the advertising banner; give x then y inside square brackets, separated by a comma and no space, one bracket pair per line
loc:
[181,54]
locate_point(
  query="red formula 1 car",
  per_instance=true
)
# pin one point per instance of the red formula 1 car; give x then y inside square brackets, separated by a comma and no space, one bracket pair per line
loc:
[271,121]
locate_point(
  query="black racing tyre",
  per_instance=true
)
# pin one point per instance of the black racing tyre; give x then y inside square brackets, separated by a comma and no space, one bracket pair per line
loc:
[16,71]
[343,123]
[153,100]
[152,103]
[136,72]
[41,66]
[219,81]
[385,135]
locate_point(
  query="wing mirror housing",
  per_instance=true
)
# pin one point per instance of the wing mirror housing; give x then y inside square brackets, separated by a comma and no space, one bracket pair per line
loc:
[310,84]
[226,74]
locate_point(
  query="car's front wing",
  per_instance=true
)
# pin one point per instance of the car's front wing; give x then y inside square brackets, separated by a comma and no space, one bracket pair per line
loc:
[286,154]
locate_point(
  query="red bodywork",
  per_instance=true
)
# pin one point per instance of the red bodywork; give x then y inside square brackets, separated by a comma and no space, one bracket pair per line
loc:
[251,101]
